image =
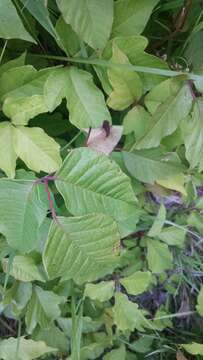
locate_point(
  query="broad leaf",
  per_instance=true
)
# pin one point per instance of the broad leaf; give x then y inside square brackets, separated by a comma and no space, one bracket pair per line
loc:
[8,158]
[68,40]
[173,236]
[42,309]
[28,349]
[90,182]
[126,85]
[102,291]
[85,101]
[192,130]
[16,298]
[159,256]
[158,222]
[167,117]
[137,120]
[81,248]
[131,16]
[17,62]
[90,19]
[175,182]
[21,214]
[199,305]
[37,149]
[127,315]
[193,348]
[116,354]
[11,26]
[23,268]
[152,164]
[137,283]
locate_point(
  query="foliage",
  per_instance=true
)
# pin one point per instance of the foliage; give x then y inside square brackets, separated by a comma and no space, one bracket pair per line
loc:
[101,183]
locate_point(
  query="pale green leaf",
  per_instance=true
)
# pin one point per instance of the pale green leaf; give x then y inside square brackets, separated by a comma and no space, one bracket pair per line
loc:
[137,282]
[17,62]
[127,315]
[131,16]
[175,182]
[102,291]
[42,309]
[159,256]
[11,26]
[199,305]
[85,101]
[16,298]
[28,349]
[173,236]
[68,40]
[90,181]
[23,268]
[152,164]
[160,93]
[116,354]
[126,85]
[53,337]
[158,222]
[40,12]
[167,117]
[192,130]
[37,149]
[90,19]
[82,248]
[137,120]
[21,214]
[8,158]
[193,348]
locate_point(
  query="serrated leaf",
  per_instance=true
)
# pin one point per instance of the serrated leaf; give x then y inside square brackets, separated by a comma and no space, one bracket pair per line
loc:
[127,315]
[166,118]
[102,291]
[42,309]
[126,85]
[8,158]
[28,349]
[11,26]
[152,164]
[192,130]
[199,305]
[97,184]
[159,256]
[87,248]
[137,282]
[37,149]
[158,222]
[193,348]
[90,19]
[23,268]
[131,16]
[85,101]
[21,214]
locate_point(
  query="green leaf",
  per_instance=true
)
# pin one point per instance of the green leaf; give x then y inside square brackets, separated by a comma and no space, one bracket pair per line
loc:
[11,26]
[68,40]
[39,11]
[131,16]
[173,236]
[16,298]
[193,348]
[199,305]
[23,268]
[8,158]
[127,315]
[138,282]
[102,291]
[158,256]
[85,101]
[42,309]
[126,85]
[192,130]
[167,117]
[116,354]
[17,62]
[96,183]
[21,214]
[158,223]
[53,337]
[21,90]
[151,165]
[81,248]
[37,149]
[90,19]
[28,349]
[160,93]
[137,120]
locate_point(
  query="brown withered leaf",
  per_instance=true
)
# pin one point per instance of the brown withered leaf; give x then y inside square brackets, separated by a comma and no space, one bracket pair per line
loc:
[100,141]
[180,356]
